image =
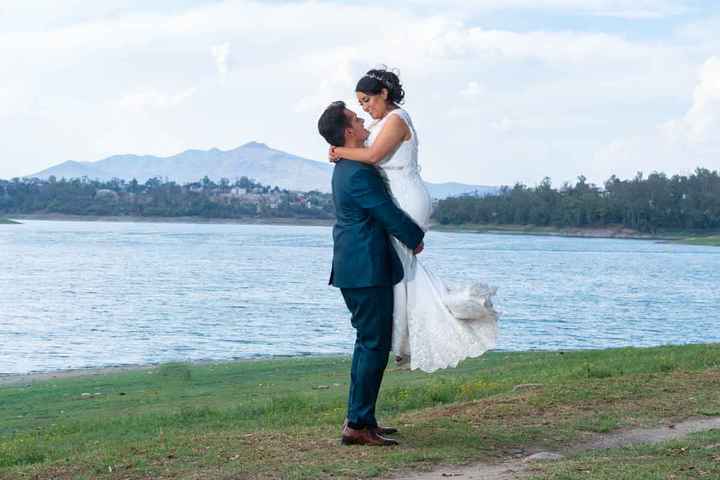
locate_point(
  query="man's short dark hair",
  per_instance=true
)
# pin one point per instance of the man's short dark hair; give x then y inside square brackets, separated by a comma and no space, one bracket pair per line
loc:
[332,124]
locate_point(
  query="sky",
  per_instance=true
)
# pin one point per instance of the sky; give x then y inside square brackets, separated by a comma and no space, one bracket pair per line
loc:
[500,91]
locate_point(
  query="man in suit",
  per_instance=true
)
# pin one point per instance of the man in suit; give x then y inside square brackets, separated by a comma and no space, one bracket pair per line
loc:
[365,267]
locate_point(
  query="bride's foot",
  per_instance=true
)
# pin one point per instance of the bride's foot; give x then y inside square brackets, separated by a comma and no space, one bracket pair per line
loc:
[402,360]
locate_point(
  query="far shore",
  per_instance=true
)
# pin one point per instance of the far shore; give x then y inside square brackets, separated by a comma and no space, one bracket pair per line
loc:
[608,231]
[61,217]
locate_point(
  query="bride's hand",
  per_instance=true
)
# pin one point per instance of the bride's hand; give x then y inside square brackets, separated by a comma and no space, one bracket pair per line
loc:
[332,155]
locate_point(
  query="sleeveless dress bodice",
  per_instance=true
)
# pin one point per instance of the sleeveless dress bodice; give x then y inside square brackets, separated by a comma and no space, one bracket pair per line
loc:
[405,157]
[401,172]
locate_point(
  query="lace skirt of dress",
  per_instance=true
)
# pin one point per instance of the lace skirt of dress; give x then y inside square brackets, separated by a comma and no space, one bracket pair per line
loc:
[439,326]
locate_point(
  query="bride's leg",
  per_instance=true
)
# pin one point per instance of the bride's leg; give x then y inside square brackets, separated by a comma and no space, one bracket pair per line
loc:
[401,337]
[401,334]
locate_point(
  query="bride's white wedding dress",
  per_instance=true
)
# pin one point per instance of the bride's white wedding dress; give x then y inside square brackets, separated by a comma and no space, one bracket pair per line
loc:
[434,324]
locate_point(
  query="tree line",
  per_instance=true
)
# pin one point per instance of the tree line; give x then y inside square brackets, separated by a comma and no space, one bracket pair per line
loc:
[647,204]
[160,198]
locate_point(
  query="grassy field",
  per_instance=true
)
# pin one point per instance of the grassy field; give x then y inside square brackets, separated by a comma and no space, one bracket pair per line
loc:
[281,418]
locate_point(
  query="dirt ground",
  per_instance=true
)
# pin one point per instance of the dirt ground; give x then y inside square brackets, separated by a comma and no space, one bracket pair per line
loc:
[518,468]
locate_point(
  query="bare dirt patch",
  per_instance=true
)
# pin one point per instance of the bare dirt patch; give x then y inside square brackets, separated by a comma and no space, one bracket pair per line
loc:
[520,466]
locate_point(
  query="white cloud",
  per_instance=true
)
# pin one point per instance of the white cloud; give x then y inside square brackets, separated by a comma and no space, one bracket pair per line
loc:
[152,99]
[472,90]
[331,76]
[221,54]
[680,145]
[7,101]
[632,9]
[503,124]
[701,124]
[456,41]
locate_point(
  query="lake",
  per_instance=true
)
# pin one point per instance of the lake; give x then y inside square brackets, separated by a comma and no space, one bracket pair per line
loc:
[92,294]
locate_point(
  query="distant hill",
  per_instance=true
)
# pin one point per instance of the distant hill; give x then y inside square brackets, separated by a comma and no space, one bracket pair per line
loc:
[253,160]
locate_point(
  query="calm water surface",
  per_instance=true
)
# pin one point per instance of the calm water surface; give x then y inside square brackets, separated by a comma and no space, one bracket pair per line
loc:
[88,294]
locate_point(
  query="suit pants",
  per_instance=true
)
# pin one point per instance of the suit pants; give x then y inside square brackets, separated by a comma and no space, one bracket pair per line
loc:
[372,314]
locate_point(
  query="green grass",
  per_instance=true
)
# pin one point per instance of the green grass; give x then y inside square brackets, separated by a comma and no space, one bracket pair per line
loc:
[280,418]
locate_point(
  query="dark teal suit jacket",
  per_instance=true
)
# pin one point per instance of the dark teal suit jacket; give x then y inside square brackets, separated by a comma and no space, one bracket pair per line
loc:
[365,218]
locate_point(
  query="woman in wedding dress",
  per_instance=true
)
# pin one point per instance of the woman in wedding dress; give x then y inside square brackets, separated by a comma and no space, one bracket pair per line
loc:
[434,325]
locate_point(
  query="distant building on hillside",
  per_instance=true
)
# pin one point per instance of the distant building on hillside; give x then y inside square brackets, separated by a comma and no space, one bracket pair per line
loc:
[106,194]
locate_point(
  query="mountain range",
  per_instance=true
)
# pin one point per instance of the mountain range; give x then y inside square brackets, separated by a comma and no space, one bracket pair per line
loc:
[253,160]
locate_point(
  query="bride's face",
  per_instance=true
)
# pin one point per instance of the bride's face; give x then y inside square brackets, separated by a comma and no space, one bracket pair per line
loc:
[375,105]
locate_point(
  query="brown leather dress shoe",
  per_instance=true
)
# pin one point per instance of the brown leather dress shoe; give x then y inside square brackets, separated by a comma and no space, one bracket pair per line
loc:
[366,436]
[386,430]
[380,430]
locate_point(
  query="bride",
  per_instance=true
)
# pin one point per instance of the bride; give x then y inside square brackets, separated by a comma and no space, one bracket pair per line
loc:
[434,325]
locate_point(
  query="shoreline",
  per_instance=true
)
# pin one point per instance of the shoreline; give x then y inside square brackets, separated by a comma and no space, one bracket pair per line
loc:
[610,231]
[26,379]
[61,217]
[21,379]
[606,232]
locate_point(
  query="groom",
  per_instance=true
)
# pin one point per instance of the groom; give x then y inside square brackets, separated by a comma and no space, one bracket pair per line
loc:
[365,267]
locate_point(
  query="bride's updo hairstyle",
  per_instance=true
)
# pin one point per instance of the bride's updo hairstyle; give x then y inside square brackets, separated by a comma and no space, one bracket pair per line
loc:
[375,80]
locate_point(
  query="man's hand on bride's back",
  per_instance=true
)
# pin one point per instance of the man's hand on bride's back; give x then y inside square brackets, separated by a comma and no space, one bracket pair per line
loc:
[419,248]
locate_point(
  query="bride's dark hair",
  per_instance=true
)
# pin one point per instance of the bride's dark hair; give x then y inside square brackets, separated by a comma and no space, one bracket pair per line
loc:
[375,80]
